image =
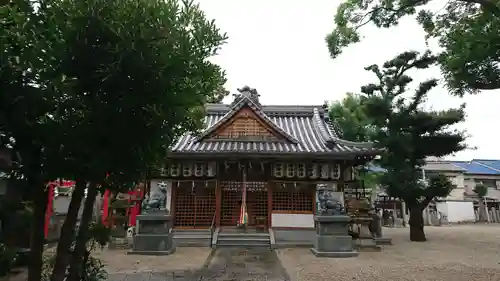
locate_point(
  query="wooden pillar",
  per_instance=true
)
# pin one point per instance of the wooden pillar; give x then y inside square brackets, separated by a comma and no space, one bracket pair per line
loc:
[269,205]
[314,204]
[218,200]
[173,187]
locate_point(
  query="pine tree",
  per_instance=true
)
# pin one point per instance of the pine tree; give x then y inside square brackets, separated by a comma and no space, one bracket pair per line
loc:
[409,134]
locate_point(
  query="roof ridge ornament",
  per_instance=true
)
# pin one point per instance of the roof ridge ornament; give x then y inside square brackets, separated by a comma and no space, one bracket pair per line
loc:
[248,93]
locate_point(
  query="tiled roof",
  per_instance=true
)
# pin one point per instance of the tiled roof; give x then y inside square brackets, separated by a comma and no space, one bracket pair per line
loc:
[494,164]
[442,166]
[475,168]
[304,127]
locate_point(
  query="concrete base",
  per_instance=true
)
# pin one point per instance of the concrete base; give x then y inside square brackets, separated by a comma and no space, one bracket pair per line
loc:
[116,243]
[333,243]
[383,241]
[161,243]
[152,253]
[322,254]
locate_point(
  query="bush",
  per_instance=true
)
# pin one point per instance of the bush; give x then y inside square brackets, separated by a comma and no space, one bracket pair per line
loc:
[93,270]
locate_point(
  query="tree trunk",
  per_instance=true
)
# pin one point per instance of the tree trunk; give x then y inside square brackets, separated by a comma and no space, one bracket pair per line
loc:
[77,259]
[9,204]
[68,233]
[417,224]
[37,228]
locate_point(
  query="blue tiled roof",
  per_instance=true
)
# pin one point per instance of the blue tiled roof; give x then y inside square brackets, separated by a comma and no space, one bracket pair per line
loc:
[375,168]
[475,168]
[495,164]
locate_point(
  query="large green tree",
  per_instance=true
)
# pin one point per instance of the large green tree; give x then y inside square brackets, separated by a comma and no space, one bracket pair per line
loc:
[409,133]
[467,32]
[349,114]
[107,86]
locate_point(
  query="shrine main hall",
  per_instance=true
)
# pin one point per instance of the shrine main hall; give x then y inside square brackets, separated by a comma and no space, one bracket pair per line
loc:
[257,167]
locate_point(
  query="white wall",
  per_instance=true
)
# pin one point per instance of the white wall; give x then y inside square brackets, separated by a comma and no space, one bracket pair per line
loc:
[457,211]
[292,220]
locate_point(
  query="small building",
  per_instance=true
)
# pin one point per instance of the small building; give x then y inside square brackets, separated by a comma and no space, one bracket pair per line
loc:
[259,165]
[481,172]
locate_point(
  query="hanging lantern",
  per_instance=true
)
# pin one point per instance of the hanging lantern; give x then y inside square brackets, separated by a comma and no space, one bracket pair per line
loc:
[210,171]
[313,171]
[324,172]
[175,170]
[198,169]
[335,171]
[187,169]
[290,170]
[278,170]
[301,170]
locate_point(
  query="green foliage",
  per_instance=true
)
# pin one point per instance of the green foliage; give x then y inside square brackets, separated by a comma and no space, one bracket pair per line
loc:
[91,88]
[407,131]
[466,30]
[481,190]
[99,233]
[349,114]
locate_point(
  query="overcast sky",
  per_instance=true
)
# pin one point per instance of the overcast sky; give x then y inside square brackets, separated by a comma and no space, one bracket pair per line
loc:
[278,47]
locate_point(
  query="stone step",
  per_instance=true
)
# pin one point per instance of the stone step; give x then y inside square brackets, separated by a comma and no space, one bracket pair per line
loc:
[248,236]
[192,241]
[243,245]
[191,236]
[191,231]
[260,239]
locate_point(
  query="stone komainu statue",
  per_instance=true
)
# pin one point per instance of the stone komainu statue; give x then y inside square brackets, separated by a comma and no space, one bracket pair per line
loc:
[330,205]
[156,201]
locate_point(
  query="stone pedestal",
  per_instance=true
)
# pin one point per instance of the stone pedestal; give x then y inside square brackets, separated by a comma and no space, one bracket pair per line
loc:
[366,241]
[153,235]
[332,239]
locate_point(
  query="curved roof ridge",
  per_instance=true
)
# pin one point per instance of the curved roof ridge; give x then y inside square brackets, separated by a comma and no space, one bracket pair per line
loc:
[321,129]
[339,140]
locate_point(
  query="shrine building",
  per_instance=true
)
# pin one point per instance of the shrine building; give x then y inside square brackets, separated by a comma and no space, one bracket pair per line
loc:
[257,167]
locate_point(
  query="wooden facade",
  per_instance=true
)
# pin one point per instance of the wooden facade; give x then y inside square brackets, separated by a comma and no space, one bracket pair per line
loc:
[269,159]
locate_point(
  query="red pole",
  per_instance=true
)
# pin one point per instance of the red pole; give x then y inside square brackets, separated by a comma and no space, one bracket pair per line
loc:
[48,212]
[105,206]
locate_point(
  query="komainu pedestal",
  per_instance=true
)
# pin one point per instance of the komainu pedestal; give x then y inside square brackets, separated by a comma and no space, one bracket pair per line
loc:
[332,239]
[153,235]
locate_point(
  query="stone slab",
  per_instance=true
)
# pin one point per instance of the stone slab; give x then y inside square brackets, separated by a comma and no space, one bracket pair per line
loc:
[383,241]
[322,254]
[157,216]
[333,219]
[152,253]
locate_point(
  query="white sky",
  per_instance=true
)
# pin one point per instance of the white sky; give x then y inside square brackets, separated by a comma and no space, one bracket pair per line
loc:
[278,47]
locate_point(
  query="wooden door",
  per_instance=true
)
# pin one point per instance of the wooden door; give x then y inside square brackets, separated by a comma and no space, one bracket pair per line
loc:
[194,204]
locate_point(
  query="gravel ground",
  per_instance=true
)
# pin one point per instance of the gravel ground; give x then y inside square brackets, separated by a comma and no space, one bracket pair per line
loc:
[184,259]
[454,253]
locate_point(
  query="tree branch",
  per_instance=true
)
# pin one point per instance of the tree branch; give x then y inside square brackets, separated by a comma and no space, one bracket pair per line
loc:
[486,5]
